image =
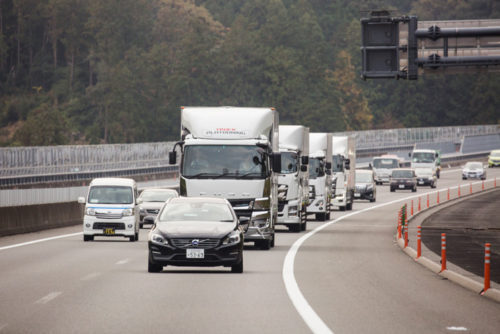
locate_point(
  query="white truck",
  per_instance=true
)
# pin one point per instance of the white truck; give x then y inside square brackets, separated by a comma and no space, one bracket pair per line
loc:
[343,168]
[293,181]
[423,158]
[382,167]
[233,153]
[320,175]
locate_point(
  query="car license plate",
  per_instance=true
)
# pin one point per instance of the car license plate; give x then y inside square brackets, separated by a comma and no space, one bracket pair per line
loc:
[420,182]
[401,186]
[109,231]
[195,253]
[357,194]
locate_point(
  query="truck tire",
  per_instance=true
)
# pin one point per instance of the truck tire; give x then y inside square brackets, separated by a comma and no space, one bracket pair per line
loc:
[348,206]
[295,227]
[321,216]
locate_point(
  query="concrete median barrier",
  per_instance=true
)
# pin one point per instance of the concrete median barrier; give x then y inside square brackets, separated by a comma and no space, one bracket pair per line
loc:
[32,218]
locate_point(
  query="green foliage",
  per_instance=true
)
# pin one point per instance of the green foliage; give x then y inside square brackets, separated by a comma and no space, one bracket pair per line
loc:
[107,71]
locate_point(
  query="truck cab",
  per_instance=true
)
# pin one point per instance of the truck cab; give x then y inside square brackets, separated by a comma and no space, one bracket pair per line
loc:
[382,167]
[293,180]
[320,175]
[426,159]
[343,169]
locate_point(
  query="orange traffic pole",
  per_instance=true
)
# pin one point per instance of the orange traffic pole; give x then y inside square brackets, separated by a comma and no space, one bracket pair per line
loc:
[406,234]
[471,188]
[411,207]
[419,241]
[487,257]
[399,225]
[458,190]
[437,197]
[427,200]
[482,185]
[419,207]
[443,252]
[448,196]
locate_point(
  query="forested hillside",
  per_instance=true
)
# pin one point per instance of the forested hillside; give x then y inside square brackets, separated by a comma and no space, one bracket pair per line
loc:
[117,71]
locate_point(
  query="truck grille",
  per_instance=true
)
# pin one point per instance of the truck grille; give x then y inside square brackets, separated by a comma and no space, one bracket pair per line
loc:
[102,226]
[242,206]
[188,243]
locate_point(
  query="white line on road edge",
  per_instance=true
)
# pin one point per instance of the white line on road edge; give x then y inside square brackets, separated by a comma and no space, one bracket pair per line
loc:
[49,297]
[122,261]
[299,302]
[460,329]
[90,276]
[40,240]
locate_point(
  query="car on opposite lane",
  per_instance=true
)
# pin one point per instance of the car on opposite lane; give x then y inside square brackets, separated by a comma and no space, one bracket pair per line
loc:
[494,158]
[196,231]
[365,185]
[473,170]
[403,178]
[426,177]
[152,201]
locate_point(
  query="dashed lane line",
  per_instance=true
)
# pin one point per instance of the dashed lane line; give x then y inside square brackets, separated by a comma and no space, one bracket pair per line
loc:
[48,298]
[40,240]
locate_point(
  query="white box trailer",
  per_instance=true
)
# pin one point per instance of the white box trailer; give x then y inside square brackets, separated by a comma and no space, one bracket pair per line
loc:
[293,188]
[320,178]
[232,152]
[344,171]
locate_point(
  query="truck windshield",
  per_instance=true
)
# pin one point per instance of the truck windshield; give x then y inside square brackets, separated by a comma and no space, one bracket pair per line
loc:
[288,162]
[224,161]
[316,168]
[385,163]
[338,164]
[110,195]
[423,157]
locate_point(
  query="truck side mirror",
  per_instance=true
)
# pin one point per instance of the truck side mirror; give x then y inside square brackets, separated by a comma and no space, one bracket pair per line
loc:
[172,157]
[305,160]
[303,168]
[328,165]
[347,164]
[81,200]
[409,154]
[276,160]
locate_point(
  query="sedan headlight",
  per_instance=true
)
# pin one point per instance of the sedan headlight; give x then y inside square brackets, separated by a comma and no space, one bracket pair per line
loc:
[158,239]
[90,212]
[232,238]
[128,212]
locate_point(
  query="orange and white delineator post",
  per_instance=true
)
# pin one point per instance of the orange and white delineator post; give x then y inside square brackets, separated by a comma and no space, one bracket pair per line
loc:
[487,260]
[458,190]
[470,188]
[443,251]
[419,241]
[448,195]
[427,201]
[411,207]
[419,206]
[400,224]
[406,233]
[437,200]
[482,185]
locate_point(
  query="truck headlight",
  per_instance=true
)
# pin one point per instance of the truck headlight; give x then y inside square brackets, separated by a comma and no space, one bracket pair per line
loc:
[232,238]
[90,212]
[142,211]
[292,210]
[128,212]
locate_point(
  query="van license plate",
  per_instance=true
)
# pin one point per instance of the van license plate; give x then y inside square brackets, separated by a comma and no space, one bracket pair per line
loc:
[195,253]
[401,186]
[109,231]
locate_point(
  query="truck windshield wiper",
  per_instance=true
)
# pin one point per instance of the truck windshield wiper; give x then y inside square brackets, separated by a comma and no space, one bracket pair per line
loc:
[249,174]
[200,174]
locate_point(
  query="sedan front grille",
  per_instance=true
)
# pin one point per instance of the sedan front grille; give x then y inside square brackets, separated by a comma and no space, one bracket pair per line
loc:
[188,243]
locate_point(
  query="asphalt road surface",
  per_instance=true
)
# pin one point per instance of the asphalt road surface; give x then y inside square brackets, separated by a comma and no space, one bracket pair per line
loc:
[348,277]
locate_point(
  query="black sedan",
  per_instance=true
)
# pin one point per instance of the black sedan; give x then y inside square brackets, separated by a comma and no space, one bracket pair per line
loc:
[196,231]
[403,178]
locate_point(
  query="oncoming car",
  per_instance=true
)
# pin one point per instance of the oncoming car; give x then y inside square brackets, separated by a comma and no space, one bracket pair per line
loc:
[403,178]
[152,201]
[473,170]
[494,158]
[196,231]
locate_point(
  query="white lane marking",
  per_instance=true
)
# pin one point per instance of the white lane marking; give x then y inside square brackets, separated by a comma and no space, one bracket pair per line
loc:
[90,276]
[122,261]
[305,310]
[40,240]
[460,329]
[51,296]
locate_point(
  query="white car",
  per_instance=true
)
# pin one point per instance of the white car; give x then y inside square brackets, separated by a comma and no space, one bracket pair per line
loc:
[473,170]
[153,200]
[426,177]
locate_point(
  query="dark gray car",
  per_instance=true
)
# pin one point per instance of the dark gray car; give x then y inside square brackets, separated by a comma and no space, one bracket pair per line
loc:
[365,185]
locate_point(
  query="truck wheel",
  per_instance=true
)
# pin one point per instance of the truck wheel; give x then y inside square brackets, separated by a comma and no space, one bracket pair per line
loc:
[153,267]
[348,206]
[342,208]
[303,226]
[373,199]
[136,236]
[321,216]
[132,238]
[295,227]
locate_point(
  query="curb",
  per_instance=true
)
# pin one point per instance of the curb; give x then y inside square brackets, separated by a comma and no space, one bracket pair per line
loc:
[466,282]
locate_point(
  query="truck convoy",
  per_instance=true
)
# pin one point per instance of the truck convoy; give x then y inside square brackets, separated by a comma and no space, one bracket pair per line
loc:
[293,180]
[233,153]
[382,167]
[343,167]
[426,159]
[320,178]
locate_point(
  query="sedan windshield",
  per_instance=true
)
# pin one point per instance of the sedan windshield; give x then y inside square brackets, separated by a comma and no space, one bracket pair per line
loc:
[385,163]
[110,195]
[156,196]
[316,168]
[288,162]
[197,211]
[473,165]
[224,161]
[402,174]
[363,178]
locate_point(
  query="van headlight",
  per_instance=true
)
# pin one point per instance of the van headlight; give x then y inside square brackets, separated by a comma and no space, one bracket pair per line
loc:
[158,239]
[128,212]
[232,238]
[90,212]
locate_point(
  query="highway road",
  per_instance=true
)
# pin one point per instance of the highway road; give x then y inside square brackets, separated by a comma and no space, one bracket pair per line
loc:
[345,276]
